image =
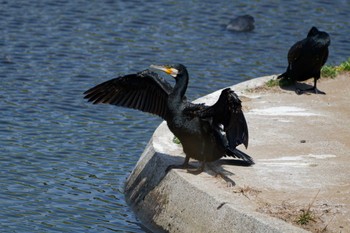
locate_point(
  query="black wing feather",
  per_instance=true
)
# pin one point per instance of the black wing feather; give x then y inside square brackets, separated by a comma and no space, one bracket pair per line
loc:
[232,118]
[145,91]
[227,111]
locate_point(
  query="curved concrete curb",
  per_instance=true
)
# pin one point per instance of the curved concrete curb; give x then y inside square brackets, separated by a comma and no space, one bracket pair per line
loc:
[300,147]
[182,202]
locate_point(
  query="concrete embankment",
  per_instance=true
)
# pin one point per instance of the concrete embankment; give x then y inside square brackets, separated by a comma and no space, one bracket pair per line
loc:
[300,144]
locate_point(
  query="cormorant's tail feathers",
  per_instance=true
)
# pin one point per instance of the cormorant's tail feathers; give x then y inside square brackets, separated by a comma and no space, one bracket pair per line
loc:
[239,154]
[282,75]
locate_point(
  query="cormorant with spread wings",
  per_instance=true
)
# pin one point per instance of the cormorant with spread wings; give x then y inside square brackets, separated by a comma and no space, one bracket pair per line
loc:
[206,133]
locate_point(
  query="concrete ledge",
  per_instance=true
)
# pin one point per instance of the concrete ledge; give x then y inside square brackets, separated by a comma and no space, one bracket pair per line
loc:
[285,169]
[182,202]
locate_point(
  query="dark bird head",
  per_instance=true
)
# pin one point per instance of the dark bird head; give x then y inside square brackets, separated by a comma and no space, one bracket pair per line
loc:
[244,23]
[321,37]
[313,32]
[176,70]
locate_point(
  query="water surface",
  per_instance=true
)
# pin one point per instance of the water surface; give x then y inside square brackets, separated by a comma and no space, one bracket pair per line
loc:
[63,162]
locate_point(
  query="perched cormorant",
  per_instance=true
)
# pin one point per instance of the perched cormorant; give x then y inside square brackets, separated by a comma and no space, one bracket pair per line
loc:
[243,23]
[306,58]
[206,133]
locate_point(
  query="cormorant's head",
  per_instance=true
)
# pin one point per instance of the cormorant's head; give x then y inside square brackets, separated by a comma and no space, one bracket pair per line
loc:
[313,32]
[321,37]
[173,70]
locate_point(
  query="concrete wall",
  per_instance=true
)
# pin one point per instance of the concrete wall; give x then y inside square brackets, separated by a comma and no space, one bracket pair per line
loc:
[182,202]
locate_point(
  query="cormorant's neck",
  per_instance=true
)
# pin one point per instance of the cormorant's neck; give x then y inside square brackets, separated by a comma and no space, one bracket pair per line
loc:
[181,84]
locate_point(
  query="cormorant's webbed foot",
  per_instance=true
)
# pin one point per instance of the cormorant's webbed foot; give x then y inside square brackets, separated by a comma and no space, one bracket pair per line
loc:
[190,169]
[298,91]
[312,89]
[180,166]
[196,171]
[318,91]
[185,165]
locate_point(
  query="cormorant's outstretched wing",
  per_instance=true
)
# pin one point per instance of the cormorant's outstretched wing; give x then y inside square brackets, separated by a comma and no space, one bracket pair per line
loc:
[227,111]
[145,91]
[226,115]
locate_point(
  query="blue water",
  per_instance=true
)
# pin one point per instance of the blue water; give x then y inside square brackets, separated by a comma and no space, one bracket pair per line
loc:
[63,162]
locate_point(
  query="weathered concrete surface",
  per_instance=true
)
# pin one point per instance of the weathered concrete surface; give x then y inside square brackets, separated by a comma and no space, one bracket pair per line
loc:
[301,146]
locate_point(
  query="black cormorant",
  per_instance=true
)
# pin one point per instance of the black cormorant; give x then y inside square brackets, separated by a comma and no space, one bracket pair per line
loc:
[243,23]
[306,58]
[206,133]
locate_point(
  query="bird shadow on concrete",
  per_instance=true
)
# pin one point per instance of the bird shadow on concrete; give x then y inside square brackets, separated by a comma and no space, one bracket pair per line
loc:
[216,169]
[298,88]
[145,178]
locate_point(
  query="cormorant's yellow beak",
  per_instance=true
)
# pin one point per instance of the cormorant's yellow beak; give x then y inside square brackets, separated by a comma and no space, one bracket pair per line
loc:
[169,70]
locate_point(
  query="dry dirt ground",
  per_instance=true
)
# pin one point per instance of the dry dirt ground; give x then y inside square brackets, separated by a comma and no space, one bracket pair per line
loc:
[301,145]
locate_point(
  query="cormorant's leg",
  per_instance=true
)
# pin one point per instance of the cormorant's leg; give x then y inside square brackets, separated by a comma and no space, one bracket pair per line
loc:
[202,165]
[187,159]
[185,165]
[315,87]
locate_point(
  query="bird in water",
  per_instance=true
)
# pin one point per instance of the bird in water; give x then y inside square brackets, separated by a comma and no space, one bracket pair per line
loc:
[243,23]
[206,133]
[306,58]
